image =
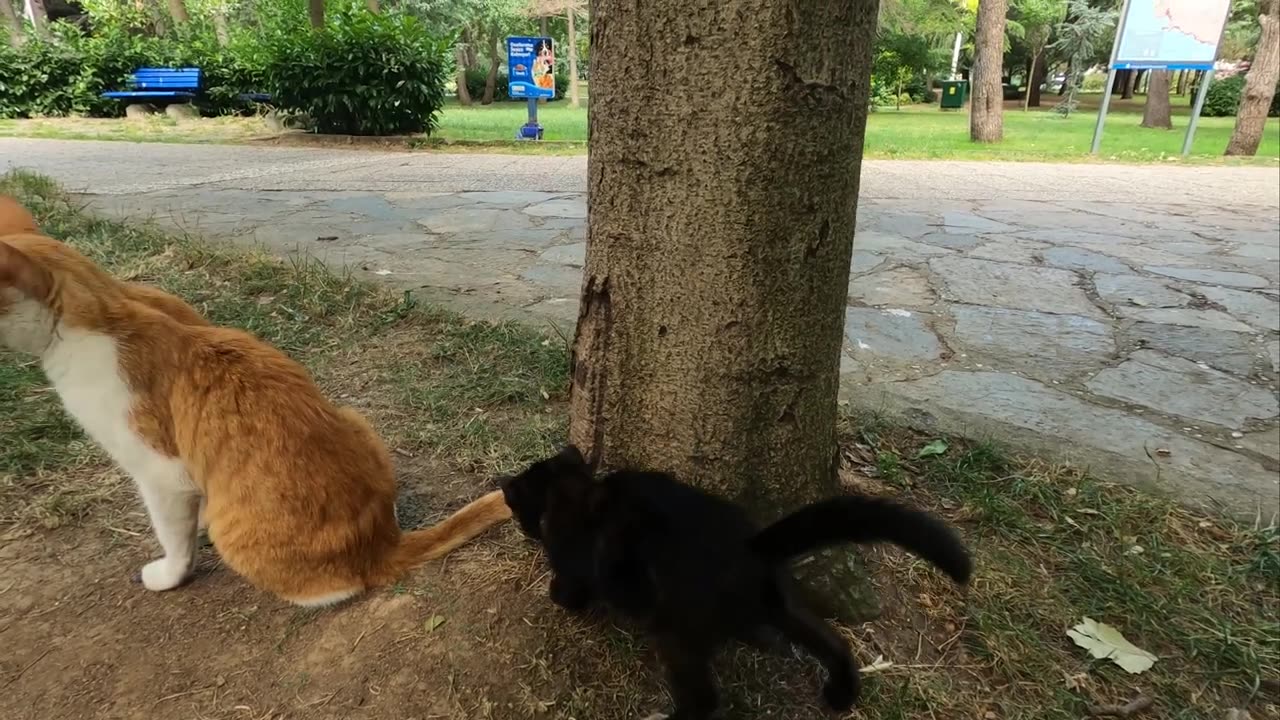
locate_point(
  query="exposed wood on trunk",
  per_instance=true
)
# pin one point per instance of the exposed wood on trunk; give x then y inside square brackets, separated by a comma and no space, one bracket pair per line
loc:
[1259,84]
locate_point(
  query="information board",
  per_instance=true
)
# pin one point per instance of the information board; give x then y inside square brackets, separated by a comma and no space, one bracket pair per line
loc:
[531,67]
[1170,34]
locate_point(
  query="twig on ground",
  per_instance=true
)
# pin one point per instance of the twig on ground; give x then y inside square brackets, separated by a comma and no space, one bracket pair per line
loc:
[24,670]
[1133,707]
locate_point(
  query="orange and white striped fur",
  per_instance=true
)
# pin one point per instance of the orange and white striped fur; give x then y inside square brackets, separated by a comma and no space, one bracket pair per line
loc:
[299,493]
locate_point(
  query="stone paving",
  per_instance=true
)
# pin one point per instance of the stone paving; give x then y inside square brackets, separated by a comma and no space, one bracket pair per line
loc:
[1125,318]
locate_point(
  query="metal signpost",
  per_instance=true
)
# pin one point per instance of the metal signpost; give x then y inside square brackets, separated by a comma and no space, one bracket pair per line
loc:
[1166,35]
[531,74]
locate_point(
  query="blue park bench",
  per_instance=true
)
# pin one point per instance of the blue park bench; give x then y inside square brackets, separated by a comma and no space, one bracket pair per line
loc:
[174,84]
[160,84]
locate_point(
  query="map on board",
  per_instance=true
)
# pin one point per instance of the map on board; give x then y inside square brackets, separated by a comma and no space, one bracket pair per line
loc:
[1174,34]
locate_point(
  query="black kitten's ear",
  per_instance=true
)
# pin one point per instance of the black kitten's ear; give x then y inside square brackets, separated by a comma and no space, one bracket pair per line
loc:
[573,456]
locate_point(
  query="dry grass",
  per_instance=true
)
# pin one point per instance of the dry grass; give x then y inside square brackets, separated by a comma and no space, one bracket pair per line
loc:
[459,399]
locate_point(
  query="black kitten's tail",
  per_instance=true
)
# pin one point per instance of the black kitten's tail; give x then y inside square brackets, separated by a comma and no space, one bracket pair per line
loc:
[862,519]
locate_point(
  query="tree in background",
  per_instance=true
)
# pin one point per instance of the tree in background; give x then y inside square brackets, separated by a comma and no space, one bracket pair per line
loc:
[1156,112]
[1259,83]
[1038,18]
[39,18]
[1079,38]
[569,10]
[13,23]
[986,109]
[720,234]
[315,13]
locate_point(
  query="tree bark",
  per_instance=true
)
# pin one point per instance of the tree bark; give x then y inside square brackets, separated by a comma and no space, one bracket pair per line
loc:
[469,50]
[495,58]
[1037,79]
[572,32]
[1156,113]
[13,23]
[221,30]
[315,12]
[1182,82]
[986,111]
[1259,85]
[178,11]
[1130,79]
[40,18]
[464,95]
[719,240]
[374,6]
[1031,83]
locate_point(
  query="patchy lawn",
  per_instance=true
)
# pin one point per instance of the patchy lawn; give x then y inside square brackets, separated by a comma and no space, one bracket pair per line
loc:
[474,636]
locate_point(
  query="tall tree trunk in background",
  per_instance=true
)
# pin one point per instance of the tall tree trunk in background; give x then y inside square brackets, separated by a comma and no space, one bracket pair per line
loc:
[712,313]
[469,50]
[40,18]
[315,12]
[495,58]
[178,11]
[1130,79]
[1182,82]
[1259,85]
[986,110]
[12,22]
[464,95]
[221,30]
[1038,79]
[1031,84]
[573,57]
[374,6]
[1156,113]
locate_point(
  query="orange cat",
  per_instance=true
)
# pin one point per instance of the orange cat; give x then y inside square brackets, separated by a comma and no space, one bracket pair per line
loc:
[300,493]
[16,219]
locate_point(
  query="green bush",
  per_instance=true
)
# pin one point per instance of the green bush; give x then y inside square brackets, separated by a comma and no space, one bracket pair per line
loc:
[882,95]
[1223,97]
[364,74]
[1275,103]
[475,85]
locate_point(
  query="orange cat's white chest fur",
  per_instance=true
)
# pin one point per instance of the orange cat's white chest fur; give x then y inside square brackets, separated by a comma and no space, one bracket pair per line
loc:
[84,367]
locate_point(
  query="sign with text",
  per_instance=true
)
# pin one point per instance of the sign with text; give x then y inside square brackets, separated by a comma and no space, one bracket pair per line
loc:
[1170,34]
[531,67]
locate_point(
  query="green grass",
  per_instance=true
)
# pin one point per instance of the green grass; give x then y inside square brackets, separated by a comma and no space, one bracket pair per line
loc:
[1052,544]
[915,132]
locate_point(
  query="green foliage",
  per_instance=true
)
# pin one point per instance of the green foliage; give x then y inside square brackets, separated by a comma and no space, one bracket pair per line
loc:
[363,74]
[1079,39]
[1223,97]
[476,79]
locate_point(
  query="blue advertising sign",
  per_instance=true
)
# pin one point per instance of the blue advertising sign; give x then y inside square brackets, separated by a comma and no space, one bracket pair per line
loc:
[531,67]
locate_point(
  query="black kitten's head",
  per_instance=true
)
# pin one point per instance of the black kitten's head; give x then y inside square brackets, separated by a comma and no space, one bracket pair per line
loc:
[530,493]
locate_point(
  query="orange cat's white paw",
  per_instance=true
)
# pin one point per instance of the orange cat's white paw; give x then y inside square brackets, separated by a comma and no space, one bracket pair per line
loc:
[164,574]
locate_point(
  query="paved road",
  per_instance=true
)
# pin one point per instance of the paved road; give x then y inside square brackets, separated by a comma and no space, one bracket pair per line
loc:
[1124,317]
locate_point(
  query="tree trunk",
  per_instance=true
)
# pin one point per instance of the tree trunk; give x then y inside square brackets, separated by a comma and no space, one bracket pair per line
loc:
[220,28]
[178,11]
[572,32]
[1131,79]
[1182,82]
[713,303]
[1259,85]
[469,59]
[986,111]
[374,6]
[1037,79]
[1031,84]
[1156,113]
[315,12]
[464,95]
[495,58]
[13,23]
[39,18]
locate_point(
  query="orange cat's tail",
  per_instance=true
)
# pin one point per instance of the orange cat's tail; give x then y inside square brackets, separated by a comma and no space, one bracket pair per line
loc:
[419,546]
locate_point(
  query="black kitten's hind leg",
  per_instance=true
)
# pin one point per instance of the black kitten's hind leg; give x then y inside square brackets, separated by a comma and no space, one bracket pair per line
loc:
[803,627]
[688,666]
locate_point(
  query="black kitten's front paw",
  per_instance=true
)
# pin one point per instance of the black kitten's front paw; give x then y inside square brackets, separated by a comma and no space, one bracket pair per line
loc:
[841,692]
[569,595]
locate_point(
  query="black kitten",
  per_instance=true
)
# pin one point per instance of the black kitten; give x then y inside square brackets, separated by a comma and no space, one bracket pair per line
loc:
[697,569]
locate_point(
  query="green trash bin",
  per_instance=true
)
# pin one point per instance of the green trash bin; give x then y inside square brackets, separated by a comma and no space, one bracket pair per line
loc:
[953,94]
